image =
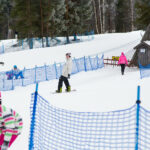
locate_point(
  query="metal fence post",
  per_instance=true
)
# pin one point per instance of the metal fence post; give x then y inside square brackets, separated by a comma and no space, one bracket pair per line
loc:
[90,63]
[12,83]
[45,72]
[85,64]
[35,74]
[56,70]
[23,76]
[76,64]
[137,118]
[97,61]
[3,49]
[31,142]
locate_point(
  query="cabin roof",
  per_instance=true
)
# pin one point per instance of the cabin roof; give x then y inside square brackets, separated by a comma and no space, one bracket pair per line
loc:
[147,43]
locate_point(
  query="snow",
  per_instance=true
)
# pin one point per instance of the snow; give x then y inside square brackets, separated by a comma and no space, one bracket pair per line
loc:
[101,90]
[147,42]
[110,44]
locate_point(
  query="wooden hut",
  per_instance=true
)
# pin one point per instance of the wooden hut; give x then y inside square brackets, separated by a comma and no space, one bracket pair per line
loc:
[142,54]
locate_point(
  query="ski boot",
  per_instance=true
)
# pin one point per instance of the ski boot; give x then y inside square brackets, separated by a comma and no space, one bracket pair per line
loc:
[59,91]
[68,89]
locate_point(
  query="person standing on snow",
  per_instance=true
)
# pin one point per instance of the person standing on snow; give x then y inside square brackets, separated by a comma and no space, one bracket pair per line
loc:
[122,62]
[10,126]
[67,68]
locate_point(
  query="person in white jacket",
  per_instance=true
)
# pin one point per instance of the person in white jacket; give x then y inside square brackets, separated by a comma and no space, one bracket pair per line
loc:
[65,74]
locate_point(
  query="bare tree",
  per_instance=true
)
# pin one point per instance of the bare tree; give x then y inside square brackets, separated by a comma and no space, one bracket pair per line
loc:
[100,16]
[132,14]
[103,15]
[96,22]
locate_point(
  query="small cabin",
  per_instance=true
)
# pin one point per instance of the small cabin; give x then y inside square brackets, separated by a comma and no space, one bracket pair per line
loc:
[142,54]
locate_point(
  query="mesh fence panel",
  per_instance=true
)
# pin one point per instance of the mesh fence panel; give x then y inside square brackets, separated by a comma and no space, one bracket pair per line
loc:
[144,71]
[60,129]
[39,74]
[144,129]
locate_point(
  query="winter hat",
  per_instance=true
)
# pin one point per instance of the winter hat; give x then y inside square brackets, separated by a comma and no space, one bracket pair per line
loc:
[122,53]
[15,67]
[68,54]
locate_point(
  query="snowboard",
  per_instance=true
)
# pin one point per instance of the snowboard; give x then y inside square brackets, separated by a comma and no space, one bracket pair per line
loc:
[73,90]
[2,63]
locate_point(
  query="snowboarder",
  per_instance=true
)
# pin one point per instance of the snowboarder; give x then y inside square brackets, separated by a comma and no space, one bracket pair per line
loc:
[122,62]
[10,126]
[65,74]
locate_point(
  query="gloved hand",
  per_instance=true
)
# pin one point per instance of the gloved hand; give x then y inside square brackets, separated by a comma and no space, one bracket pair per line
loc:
[68,76]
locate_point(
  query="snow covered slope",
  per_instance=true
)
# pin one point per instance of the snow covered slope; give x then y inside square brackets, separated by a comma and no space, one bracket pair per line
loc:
[109,44]
[101,90]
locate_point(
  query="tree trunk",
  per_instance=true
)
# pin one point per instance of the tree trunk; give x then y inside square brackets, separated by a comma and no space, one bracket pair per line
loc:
[96,23]
[41,10]
[100,17]
[67,13]
[103,6]
[132,14]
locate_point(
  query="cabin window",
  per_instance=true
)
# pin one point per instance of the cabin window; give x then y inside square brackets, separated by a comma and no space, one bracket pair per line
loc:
[142,50]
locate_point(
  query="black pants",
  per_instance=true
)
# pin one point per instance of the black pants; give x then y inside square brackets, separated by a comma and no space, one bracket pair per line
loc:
[61,80]
[122,68]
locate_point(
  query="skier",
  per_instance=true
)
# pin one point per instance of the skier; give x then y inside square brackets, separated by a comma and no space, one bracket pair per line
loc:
[17,73]
[10,126]
[122,62]
[65,74]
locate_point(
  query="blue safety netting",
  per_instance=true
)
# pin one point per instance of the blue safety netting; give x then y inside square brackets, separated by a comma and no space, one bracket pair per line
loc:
[144,129]
[50,72]
[60,129]
[144,71]
[1,49]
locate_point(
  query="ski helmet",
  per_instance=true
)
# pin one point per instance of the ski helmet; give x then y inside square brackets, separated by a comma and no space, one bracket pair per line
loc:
[15,67]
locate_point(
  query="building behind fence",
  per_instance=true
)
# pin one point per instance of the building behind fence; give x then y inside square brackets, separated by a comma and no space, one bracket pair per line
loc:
[50,72]
[54,128]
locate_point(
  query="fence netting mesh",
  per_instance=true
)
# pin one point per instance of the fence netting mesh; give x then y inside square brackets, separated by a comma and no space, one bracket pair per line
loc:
[60,129]
[50,72]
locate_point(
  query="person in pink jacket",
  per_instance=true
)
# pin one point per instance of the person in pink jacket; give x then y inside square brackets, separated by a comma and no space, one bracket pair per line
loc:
[122,62]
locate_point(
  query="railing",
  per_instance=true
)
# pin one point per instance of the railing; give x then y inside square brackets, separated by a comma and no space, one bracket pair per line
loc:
[59,129]
[50,72]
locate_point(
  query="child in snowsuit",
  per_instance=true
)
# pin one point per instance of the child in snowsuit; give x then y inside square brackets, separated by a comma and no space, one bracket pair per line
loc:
[65,74]
[122,62]
[17,73]
[14,73]
[10,126]
[9,75]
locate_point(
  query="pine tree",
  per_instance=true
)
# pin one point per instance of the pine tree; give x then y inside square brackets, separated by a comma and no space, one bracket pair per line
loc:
[57,21]
[85,14]
[143,13]
[78,12]
[5,20]
[122,16]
